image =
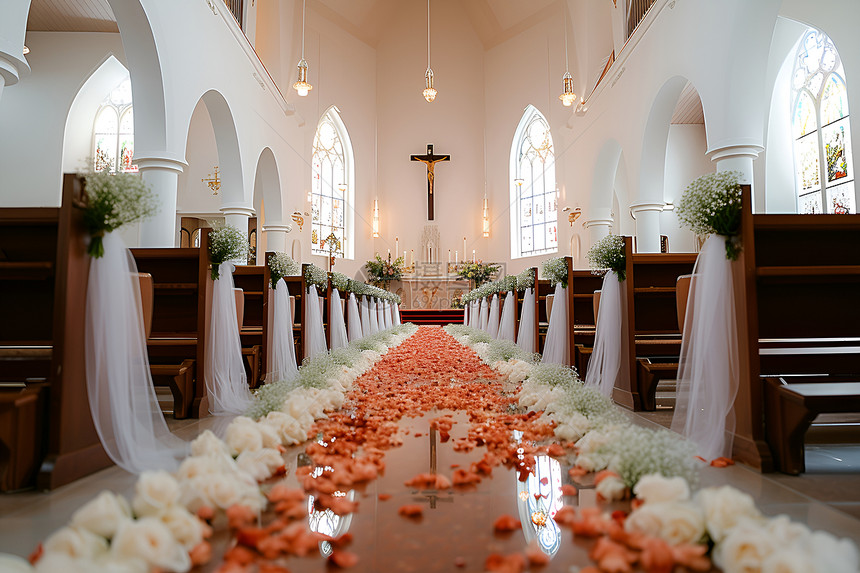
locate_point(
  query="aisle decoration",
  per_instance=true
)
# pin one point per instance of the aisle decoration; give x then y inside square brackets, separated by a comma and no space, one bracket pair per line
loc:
[609,366]
[120,392]
[314,334]
[224,375]
[282,358]
[709,367]
[528,321]
[556,348]
[668,526]
[111,201]
[337,326]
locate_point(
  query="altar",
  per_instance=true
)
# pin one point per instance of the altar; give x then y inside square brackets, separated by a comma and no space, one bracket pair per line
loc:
[429,287]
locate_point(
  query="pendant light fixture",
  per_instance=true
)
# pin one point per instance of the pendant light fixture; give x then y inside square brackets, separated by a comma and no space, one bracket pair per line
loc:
[302,86]
[429,90]
[567,97]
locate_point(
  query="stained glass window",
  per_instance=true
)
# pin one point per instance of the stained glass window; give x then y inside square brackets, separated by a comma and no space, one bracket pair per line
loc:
[822,134]
[113,132]
[330,187]
[534,229]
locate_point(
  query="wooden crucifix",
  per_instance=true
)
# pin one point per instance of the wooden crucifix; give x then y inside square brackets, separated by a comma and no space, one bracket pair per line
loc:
[431,160]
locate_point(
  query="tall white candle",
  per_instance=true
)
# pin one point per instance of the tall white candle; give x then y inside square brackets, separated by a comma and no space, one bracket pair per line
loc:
[396,247]
[456,257]
[449,256]
[411,257]
[464,247]
[473,255]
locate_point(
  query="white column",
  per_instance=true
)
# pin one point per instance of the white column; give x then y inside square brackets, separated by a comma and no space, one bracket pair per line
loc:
[13,24]
[647,215]
[737,158]
[161,173]
[598,228]
[276,237]
[238,215]
[2,85]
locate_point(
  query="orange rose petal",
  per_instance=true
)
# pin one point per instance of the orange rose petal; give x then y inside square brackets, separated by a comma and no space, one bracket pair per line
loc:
[576,472]
[240,516]
[602,475]
[412,510]
[384,496]
[722,462]
[506,523]
[555,451]
[343,559]
[201,554]
[535,556]
[568,489]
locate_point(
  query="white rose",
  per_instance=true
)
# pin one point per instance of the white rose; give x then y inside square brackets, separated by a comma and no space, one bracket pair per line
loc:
[683,523]
[112,564]
[103,514]
[261,465]
[645,519]
[208,443]
[76,543]
[54,562]
[653,488]
[14,564]
[724,507]
[833,555]
[222,490]
[154,493]
[150,540]
[789,560]
[193,495]
[744,548]
[790,532]
[187,529]
[242,436]
[289,429]
[612,488]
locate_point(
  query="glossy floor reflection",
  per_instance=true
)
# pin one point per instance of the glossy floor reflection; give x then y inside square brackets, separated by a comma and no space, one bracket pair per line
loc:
[456,525]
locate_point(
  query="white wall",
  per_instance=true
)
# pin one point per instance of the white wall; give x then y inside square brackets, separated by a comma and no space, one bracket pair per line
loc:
[685,161]
[194,197]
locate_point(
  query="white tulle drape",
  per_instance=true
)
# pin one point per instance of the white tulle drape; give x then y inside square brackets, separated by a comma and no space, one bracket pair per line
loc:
[466,314]
[337,324]
[353,318]
[708,369]
[556,349]
[282,358]
[493,320]
[226,382]
[314,329]
[380,315]
[374,316]
[608,364]
[484,314]
[508,323]
[122,398]
[528,323]
[397,315]
[365,316]
[474,314]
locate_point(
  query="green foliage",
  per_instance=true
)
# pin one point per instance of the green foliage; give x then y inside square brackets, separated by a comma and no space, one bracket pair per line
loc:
[480,272]
[608,253]
[525,280]
[227,243]
[112,200]
[711,205]
[384,271]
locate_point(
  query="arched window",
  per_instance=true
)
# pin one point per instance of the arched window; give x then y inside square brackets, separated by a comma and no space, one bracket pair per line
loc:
[113,132]
[332,187]
[534,196]
[822,135]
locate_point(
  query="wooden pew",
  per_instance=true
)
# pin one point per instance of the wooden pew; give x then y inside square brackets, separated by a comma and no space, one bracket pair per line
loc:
[177,342]
[46,431]
[584,324]
[797,288]
[653,338]
[252,279]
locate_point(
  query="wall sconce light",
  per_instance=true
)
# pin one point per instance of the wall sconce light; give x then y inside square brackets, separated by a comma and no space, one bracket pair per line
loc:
[485,219]
[26,50]
[375,219]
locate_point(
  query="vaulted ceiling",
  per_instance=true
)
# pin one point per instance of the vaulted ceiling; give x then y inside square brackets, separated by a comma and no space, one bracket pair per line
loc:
[71,16]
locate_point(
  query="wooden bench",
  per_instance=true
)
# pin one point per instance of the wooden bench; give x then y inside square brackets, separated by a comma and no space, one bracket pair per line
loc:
[47,437]
[584,324]
[253,331]
[651,316]
[797,288]
[177,342]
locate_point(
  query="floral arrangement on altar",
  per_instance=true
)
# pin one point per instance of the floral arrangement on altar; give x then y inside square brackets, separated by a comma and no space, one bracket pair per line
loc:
[480,272]
[112,200]
[383,272]
[556,271]
[315,276]
[457,300]
[711,205]
[282,265]
[227,243]
[608,253]
[525,280]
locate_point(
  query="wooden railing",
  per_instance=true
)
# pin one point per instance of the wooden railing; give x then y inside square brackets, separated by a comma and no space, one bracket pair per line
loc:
[236,8]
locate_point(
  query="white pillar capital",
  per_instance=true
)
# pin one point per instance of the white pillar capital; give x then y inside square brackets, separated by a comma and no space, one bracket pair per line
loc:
[9,74]
[647,215]
[163,161]
[277,228]
[642,206]
[601,222]
[736,158]
[237,209]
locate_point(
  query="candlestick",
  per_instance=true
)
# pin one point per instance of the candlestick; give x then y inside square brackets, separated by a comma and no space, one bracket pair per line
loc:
[464,247]
[449,256]
[473,255]
[396,247]
[456,257]
[429,254]
[411,257]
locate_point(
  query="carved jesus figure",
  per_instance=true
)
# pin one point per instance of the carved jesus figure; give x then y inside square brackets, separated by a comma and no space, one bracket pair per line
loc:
[430,159]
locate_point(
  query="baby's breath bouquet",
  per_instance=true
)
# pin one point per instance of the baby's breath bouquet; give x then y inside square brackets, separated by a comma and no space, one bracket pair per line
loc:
[315,276]
[340,281]
[608,253]
[556,271]
[712,205]
[525,280]
[282,265]
[227,243]
[112,200]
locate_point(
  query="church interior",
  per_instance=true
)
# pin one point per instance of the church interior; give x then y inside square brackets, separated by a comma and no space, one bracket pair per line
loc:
[425,147]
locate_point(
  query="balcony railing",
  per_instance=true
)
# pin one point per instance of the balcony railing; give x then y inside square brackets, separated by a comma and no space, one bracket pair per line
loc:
[636,10]
[236,8]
